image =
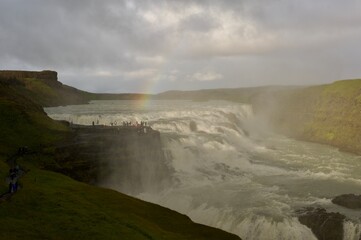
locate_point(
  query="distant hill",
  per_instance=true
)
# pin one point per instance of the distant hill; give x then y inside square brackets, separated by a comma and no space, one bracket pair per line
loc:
[45,89]
[244,95]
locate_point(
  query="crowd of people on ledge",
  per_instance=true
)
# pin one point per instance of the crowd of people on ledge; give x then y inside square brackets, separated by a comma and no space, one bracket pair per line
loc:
[136,124]
[125,124]
[141,127]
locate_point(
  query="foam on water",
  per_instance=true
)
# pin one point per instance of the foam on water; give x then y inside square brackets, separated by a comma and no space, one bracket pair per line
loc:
[352,230]
[231,172]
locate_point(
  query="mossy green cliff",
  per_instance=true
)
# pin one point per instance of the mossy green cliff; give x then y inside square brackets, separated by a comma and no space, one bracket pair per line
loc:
[328,114]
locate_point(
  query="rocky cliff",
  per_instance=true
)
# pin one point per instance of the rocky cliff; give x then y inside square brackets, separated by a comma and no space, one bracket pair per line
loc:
[45,75]
[128,159]
[325,225]
[328,114]
[44,88]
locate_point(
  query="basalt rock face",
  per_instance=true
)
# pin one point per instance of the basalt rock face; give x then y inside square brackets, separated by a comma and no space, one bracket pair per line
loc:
[325,225]
[127,159]
[43,88]
[45,75]
[351,201]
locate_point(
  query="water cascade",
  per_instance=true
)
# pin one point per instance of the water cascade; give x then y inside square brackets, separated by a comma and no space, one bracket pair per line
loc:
[230,172]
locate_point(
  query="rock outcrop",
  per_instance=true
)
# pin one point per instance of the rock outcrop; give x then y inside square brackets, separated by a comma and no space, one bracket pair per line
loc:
[351,201]
[44,88]
[45,75]
[325,225]
[128,159]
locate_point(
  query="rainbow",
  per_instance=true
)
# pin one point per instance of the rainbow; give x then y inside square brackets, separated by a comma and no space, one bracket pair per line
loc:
[149,86]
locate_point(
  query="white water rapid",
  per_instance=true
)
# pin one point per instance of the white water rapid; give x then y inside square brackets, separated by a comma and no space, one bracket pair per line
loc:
[230,172]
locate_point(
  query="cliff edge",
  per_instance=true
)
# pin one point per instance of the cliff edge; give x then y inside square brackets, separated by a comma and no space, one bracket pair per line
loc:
[43,88]
[45,74]
[129,159]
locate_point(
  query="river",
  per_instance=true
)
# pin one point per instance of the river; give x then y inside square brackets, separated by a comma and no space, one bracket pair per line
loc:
[230,170]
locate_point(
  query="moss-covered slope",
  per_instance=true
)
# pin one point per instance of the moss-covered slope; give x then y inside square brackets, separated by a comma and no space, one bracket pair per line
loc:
[43,91]
[53,206]
[337,116]
[44,88]
[22,121]
[329,114]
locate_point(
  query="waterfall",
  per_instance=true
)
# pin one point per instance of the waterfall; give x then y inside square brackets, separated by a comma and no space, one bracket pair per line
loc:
[352,230]
[230,172]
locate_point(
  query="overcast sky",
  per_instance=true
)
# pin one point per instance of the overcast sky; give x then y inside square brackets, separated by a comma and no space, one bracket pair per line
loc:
[153,46]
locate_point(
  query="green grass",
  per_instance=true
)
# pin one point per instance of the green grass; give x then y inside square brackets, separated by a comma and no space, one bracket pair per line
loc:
[39,87]
[345,88]
[337,115]
[24,123]
[53,206]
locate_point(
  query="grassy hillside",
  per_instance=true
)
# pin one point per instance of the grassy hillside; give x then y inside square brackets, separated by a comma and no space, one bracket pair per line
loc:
[337,116]
[52,93]
[53,206]
[328,114]
[244,95]
[44,89]
[22,121]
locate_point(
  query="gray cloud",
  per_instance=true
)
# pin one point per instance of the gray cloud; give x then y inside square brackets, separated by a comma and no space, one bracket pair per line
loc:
[126,45]
[199,23]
